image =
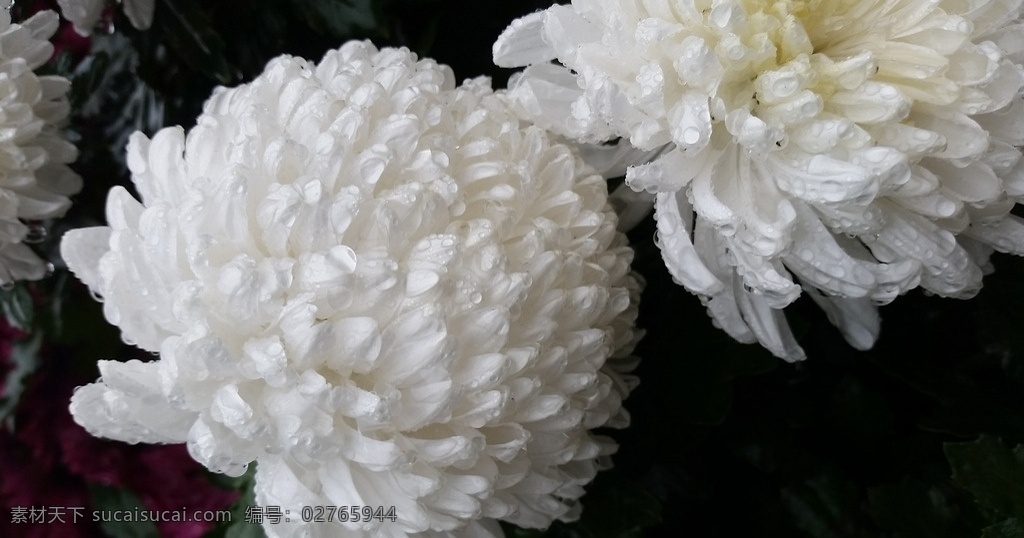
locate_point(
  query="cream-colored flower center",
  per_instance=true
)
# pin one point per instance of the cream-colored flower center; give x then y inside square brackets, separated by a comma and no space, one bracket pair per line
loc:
[782,47]
[772,66]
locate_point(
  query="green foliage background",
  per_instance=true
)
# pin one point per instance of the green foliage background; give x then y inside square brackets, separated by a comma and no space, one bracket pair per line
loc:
[920,437]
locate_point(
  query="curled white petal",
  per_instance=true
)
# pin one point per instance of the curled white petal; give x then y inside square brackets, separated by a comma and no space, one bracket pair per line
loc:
[83,14]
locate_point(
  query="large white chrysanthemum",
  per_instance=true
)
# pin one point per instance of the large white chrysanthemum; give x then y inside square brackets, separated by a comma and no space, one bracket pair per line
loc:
[380,287]
[852,148]
[35,181]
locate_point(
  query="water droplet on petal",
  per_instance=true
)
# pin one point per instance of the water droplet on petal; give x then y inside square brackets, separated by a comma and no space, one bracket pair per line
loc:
[691,135]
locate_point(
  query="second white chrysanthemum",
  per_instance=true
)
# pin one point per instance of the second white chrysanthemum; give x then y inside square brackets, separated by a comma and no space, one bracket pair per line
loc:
[35,180]
[380,287]
[852,148]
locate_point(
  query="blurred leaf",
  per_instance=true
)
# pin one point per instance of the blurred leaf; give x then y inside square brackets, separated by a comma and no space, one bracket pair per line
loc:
[859,415]
[967,371]
[62,64]
[616,506]
[990,470]
[241,529]
[24,361]
[338,18]
[187,29]
[89,80]
[237,526]
[911,509]
[109,499]
[613,507]
[823,506]
[18,307]
[83,325]
[1010,528]
[52,313]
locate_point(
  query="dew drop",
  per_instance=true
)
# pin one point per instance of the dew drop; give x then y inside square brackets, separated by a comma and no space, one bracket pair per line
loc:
[922,135]
[785,86]
[691,135]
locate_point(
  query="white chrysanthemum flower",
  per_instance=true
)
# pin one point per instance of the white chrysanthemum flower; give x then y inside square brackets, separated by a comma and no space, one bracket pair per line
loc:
[852,148]
[35,181]
[380,287]
[85,14]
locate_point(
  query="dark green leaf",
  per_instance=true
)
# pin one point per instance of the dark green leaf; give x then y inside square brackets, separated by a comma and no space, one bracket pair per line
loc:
[822,506]
[83,326]
[241,529]
[238,527]
[338,18]
[1010,528]
[911,509]
[187,29]
[616,506]
[88,81]
[613,507]
[24,361]
[990,470]
[18,307]
[53,312]
[107,500]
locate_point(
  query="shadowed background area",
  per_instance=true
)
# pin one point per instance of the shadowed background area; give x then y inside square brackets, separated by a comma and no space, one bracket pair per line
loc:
[919,437]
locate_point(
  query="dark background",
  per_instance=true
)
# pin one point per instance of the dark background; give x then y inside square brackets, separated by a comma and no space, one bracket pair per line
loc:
[920,437]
